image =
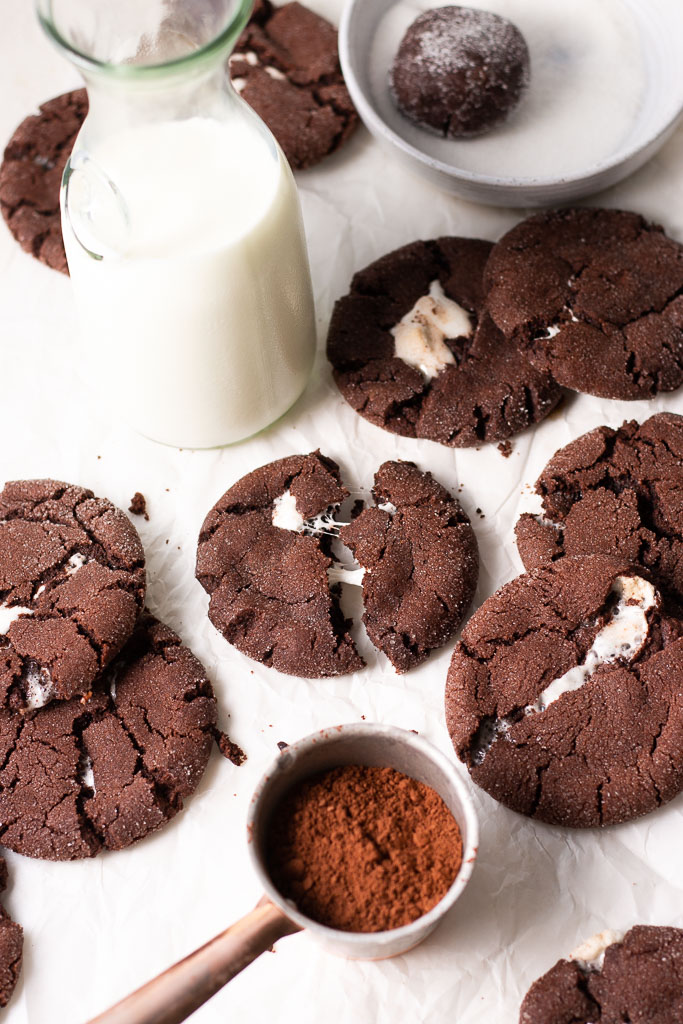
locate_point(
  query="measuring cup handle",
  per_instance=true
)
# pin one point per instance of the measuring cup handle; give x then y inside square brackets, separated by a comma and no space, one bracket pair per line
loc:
[183,988]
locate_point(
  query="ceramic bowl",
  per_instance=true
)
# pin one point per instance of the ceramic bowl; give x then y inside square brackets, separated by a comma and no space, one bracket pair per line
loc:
[369,35]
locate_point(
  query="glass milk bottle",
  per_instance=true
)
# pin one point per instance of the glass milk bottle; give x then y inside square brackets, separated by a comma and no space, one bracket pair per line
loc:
[181,224]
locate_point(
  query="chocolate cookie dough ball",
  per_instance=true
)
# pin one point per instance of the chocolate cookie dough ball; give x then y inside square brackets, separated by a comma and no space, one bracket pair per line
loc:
[459,72]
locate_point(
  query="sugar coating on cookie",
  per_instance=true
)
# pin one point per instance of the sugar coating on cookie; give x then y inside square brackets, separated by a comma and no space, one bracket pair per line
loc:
[268,560]
[636,978]
[421,562]
[414,351]
[593,297]
[565,696]
[11,946]
[459,72]
[286,66]
[72,578]
[263,557]
[614,492]
[78,777]
[31,176]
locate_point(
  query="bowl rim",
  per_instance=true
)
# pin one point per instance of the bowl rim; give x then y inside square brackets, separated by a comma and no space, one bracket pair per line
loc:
[421,925]
[378,126]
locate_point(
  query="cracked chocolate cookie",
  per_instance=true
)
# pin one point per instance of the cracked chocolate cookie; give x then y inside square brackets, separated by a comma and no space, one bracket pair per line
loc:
[11,946]
[565,695]
[286,66]
[593,297]
[72,584]
[614,492]
[413,351]
[78,778]
[31,176]
[263,557]
[459,72]
[420,561]
[610,980]
[266,557]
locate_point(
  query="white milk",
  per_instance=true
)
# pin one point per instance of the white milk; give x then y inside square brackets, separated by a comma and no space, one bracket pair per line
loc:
[198,322]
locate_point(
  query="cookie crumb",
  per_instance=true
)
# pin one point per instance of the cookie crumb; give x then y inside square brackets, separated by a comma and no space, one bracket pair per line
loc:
[505,449]
[138,505]
[229,749]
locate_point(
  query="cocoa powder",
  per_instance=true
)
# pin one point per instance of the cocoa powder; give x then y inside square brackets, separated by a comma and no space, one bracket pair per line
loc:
[363,849]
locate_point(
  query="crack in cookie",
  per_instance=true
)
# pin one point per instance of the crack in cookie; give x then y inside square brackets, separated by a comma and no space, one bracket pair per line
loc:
[637,977]
[614,492]
[72,582]
[77,778]
[564,697]
[265,557]
[414,351]
[618,277]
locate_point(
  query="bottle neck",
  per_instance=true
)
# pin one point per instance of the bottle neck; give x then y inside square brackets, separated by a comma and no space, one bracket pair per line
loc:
[120,103]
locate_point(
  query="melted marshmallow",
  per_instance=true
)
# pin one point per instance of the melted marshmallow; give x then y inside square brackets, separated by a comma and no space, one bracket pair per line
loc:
[39,687]
[419,336]
[251,58]
[75,563]
[553,329]
[489,731]
[338,574]
[590,955]
[10,615]
[621,639]
[285,514]
[87,775]
[286,517]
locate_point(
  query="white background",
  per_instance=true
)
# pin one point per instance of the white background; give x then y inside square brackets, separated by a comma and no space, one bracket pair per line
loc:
[94,930]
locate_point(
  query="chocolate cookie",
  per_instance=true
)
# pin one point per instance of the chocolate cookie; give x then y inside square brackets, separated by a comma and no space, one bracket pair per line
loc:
[31,176]
[72,581]
[11,946]
[640,980]
[421,563]
[286,66]
[413,351]
[266,559]
[268,583]
[459,72]
[614,492]
[565,695]
[78,778]
[594,298]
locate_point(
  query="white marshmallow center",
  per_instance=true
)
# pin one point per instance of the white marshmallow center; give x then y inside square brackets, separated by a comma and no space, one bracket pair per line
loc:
[39,687]
[419,336]
[590,955]
[10,615]
[621,639]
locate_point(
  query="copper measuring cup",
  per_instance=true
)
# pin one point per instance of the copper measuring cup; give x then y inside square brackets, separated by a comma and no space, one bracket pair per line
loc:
[183,988]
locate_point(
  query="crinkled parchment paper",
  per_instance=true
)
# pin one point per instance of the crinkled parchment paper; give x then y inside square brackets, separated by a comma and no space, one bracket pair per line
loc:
[95,930]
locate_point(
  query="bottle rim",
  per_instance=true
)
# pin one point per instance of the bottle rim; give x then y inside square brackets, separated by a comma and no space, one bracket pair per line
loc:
[200,57]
